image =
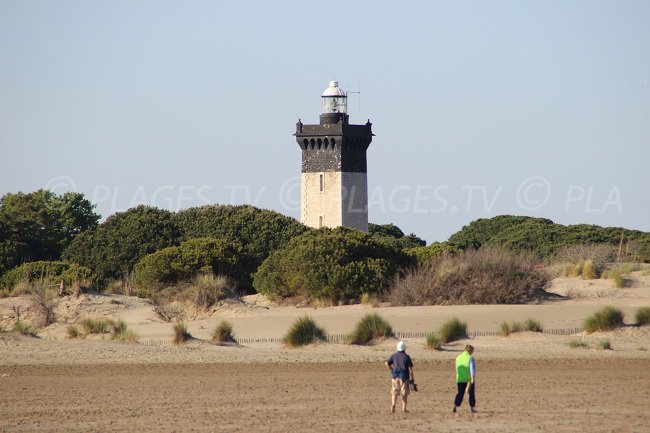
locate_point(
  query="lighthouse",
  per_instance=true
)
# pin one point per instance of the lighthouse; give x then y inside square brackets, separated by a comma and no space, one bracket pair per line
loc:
[334,175]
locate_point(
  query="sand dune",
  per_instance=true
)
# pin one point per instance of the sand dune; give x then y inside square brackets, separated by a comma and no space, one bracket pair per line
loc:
[528,381]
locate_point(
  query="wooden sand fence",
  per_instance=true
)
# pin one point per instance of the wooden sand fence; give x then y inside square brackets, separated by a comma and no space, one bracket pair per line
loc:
[345,338]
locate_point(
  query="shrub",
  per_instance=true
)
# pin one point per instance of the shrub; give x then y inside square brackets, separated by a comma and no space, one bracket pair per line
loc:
[604,345]
[181,335]
[43,304]
[25,329]
[487,276]
[259,231]
[606,319]
[2,328]
[91,325]
[74,332]
[434,251]
[192,262]
[533,325]
[396,236]
[452,330]
[116,245]
[39,225]
[578,344]
[304,331]
[433,342]
[46,273]
[544,238]
[330,264]
[223,333]
[643,316]
[370,327]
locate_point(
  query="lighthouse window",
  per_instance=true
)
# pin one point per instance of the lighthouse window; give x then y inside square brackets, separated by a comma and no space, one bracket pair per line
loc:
[320,221]
[322,182]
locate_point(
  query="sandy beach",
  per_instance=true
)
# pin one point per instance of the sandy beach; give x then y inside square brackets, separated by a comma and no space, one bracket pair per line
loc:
[527,382]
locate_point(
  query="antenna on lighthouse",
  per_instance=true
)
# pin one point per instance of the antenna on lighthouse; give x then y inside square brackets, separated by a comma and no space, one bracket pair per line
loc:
[358,93]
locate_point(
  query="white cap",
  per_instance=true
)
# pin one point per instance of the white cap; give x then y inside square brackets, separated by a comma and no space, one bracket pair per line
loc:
[334,90]
[401,346]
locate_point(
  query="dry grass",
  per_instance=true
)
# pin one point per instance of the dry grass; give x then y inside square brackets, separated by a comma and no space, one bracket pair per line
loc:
[42,301]
[91,325]
[643,316]
[433,342]
[25,328]
[604,345]
[452,330]
[606,319]
[586,261]
[181,334]
[121,332]
[487,276]
[370,327]
[367,299]
[578,344]
[223,333]
[74,331]
[207,289]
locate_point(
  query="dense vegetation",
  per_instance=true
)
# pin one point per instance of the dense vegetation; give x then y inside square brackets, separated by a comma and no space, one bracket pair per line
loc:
[40,225]
[179,264]
[113,249]
[47,274]
[260,231]
[486,276]
[334,264]
[210,252]
[544,238]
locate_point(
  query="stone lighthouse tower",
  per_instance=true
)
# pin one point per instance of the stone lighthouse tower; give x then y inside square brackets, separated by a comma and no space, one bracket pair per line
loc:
[334,179]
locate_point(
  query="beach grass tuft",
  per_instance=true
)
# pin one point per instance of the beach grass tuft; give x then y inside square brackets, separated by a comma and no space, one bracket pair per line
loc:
[452,330]
[121,332]
[369,327]
[433,342]
[95,326]
[181,334]
[606,319]
[533,325]
[578,344]
[604,345]
[74,331]
[223,333]
[304,331]
[25,329]
[643,316]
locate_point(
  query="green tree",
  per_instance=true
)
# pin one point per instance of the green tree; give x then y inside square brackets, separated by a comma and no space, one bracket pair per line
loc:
[40,225]
[113,249]
[335,264]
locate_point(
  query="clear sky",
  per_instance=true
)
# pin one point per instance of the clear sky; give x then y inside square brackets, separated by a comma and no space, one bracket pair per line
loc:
[479,108]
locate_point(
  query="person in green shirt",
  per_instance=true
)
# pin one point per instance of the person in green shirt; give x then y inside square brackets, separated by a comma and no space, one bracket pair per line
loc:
[465,378]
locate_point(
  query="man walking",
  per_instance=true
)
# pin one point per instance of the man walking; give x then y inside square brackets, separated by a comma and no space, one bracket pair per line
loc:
[401,370]
[465,378]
